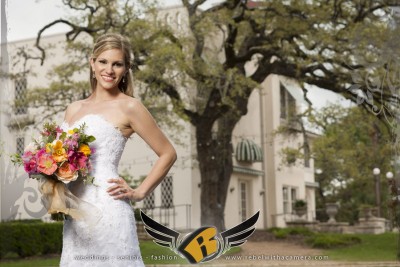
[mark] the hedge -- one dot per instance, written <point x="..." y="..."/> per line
<point x="30" y="238"/>
<point x="315" y="239"/>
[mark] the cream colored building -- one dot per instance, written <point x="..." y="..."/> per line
<point x="260" y="182"/>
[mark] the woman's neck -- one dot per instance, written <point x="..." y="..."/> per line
<point x="102" y="95"/>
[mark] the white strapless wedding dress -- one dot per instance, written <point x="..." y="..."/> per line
<point x="113" y="240"/>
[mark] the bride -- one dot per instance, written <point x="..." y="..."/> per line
<point x="112" y="115"/>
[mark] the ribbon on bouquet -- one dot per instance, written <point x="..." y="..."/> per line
<point x="57" y="198"/>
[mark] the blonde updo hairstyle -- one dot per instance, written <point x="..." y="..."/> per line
<point x="114" y="41"/>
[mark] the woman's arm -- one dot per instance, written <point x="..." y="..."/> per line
<point x="144" y="125"/>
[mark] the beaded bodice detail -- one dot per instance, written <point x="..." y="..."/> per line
<point x="109" y="145"/>
<point x="113" y="240"/>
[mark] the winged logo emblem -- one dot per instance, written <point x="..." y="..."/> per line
<point x="202" y="245"/>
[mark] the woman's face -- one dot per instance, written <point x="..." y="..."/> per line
<point x="109" y="68"/>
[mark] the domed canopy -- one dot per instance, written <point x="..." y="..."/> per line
<point x="248" y="151"/>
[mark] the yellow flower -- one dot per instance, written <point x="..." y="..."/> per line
<point x="71" y="132"/>
<point x="85" y="149"/>
<point x="59" y="153"/>
<point x="49" y="146"/>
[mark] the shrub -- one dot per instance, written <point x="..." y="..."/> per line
<point x="29" y="239"/>
<point x="282" y="233"/>
<point x="52" y="238"/>
<point x="328" y="241"/>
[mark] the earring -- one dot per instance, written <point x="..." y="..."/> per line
<point x="123" y="79"/>
<point x="94" y="75"/>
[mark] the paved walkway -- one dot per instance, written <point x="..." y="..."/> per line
<point x="268" y="253"/>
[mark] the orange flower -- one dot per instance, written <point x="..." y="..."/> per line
<point x="46" y="164"/>
<point x="85" y="149"/>
<point x="59" y="153"/>
<point x="65" y="174"/>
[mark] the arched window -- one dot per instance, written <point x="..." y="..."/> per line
<point x="20" y="95"/>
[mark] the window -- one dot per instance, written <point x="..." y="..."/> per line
<point x="289" y="196"/>
<point x="167" y="197"/>
<point x="244" y="201"/>
<point x="293" y="195"/>
<point x="20" y="96"/>
<point x="148" y="202"/>
<point x="20" y="145"/>
<point x="286" y="207"/>
<point x="288" y="103"/>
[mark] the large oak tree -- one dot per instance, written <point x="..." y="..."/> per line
<point x="332" y="44"/>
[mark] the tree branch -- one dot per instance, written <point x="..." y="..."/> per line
<point x="75" y="32"/>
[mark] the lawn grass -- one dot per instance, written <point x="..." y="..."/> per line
<point x="33" y="262"/>
<point x="155" y="254"/>
<point x="151" y="253"/>
<point x="382" y="247"/>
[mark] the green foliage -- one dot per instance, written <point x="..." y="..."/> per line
<point x="283" y="233"/>
<point x="30" y="238"/>
<point x="382" y="247"/>
<point x="199" y="72"/>
<point x="351" y="144"/>
<point x="290" y="156"/>
<point x="329" y="241"/>
<point x="316" y="240"/>
<point x="16" y="159"/>
<point x="299" y="203"/>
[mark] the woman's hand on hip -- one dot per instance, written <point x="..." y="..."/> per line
<point x="121" y="190"/>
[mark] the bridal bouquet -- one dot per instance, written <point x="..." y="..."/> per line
<point x="55" y="159"/>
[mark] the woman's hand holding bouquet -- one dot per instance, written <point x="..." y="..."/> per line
<point x="56" y="159"/>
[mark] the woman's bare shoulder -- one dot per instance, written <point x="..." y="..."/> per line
<point x="130" y="103"/>
<point x="73" y="108"/>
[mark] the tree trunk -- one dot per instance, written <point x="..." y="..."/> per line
<point x="215" y="162"/>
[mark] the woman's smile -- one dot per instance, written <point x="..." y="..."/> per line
<point x="108" y="78"/>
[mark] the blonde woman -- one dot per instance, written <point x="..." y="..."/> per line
<point x="112" y="115"/>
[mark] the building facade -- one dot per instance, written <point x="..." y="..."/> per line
<point x="261" y="181"/>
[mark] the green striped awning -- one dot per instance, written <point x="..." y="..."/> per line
<point x="244" y="170"/>
<point x="248" y="151"/>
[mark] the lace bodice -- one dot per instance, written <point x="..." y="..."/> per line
<point x="109" y="145"/>
<point x="113" y="240"/>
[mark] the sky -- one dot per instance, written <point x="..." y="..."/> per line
<point x="26" y="17"/>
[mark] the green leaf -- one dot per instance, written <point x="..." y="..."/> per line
<point x="88" y="180"/>
<point x="63" y="135"/>
<point x="90" y="138"/>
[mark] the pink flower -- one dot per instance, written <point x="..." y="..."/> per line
<point x="71" y="143"/>
<point x="29" y="160"/>
<point x="40" y="153"/>
<point x="59" y="132"/>
<point x="30" y="166"/>
<point x="46" y="164"/>
<point x="77" y="159"/>
<point x="45" y="133"/>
